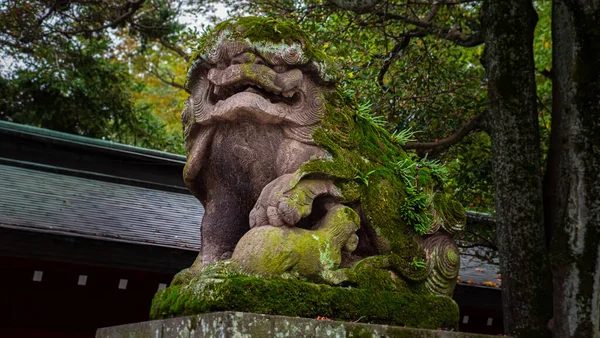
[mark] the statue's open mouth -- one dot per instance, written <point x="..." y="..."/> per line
<point x="221" y="93"/>
<point x="257" y="91"/>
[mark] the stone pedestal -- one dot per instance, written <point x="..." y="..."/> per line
<point x="241" y="325"/>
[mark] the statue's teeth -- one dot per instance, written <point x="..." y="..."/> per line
<point x="289" y="93"/>
<point x="217" y="91"/>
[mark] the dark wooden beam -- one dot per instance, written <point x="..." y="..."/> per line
<point x="78" y="250"/>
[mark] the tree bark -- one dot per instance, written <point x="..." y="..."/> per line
<point x="574" y="200"/>
<point x="513" y="127"/>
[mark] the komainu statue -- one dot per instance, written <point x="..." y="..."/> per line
<point x="312" y="208"/>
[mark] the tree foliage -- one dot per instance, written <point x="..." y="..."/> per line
<point x="416" y="62"/>
<point x="65" y="75"/>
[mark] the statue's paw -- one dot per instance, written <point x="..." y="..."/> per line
<point x="185" y="276"/>
<point x="264" y="211"/>
<point x="340" y="225"/>
<point x="289" y="214"/>
<point x="283" y="203"/>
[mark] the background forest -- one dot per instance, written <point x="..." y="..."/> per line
<point x="470" y="83"/>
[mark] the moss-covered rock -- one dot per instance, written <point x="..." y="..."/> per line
<point x="293" y="297"/>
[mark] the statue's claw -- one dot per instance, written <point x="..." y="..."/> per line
<point x="274" y="217"/>
<point x="289" y="214"/>
<point x="282" y="202"/>
<point x="184" y="277"/>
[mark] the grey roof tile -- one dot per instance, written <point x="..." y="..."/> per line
<point x="42" y="201"/>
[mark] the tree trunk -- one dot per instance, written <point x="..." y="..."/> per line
<point x="513" y="125"/>
<point x="575" y="223"/>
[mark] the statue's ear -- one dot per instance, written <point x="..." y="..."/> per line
<point x="187" y="117"/>
<point x="196" y="71"/>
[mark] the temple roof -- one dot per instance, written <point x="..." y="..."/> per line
<point x="52" y="136"/>
<point x="35" y="200"/>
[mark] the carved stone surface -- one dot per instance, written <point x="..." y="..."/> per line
<point x="296" y="179"/>
<point x="238" y="324"/>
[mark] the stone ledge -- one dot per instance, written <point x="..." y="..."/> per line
<point x="240" y="325"/>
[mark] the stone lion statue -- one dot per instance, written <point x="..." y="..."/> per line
<point x="295" y="178"/>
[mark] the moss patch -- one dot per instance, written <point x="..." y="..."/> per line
<point x="395" y="191"/>
<point x="297" y="298"/>
<point x="263" y="34"/>
<point x="258" y="29"/>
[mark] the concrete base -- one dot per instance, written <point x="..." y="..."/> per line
<point x="240" y="324"/>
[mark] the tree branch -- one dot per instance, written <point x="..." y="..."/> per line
<point x="413" y="21"/>
<point x="426" y="3"/>
<point x="423" y="148"/>
<point x="170" y="82"/>
<point x="456" y="36"/>
<point x="434" y="10"/>
<point x="423" y="23"/>
<point x="401" y="45"/>
<point x="22" y="48"/>
<point x="164" y="80"/>
<point x="134" y="5"/>
<point x="50" y="11"/>
<point x="163" y="41"/>
<point x="426" y="27"/>
<point x="451" y="34"/>
<point x="358" y="6"/>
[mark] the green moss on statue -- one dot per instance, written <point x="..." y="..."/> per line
<point x="265" y="35"/>
<point x="226" y="290"/>
<point x="364" y="163"/>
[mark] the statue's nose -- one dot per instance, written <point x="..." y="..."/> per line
<point x="247" y="58"/>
